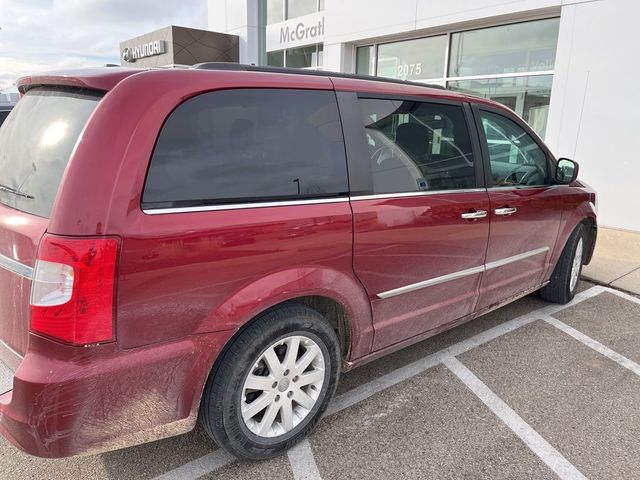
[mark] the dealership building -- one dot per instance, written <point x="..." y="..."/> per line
<point x="563" y="65"/>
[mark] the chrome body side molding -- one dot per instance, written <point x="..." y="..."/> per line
<point x="460" y="274"/>
<point x="16" y="267"/>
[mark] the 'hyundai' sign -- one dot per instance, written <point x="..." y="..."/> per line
<point x="149" y="49"/>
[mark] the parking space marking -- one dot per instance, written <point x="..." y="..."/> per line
<point x="511" y="325"/>
<point x="303" y="464"/>
<point x="219" y="458"/>
<point x="624" y="295"/>
<point x="200" y="466"/>
<point x="376" y="385"/>
<point x="538" y="445"/>
<point x="594" y="344"/>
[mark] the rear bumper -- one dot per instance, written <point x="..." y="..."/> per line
<point x="70" y="400"/>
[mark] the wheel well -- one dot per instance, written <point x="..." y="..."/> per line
<point x="333" y="311"/>
<point x="335" y="314"/>
<point x="590" y="233"/>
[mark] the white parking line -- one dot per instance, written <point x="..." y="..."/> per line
<point x="366" y="390"/>
<point x="624" y="295"/>
<point x="200" y="466"/>
<point x="303" y="465"/>
<point x="594" y="344"/>
<point x="211" y="462"/>
<point x="538" y="445"/>
<point x="514" y="324"/>
<point x="401" y="374"/>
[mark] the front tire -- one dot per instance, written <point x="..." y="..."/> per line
<point x="273" y="383"/>
<point x="564" y="280"/>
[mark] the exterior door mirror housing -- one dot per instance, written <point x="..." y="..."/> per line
<point x="566" y="171"/>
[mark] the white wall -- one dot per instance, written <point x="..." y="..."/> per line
<point x="354" y="20"/>
<point x="237" y="17"/>
<point x="594" y="107"/>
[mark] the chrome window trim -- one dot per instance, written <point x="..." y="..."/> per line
<point x="289" y="203"/>
<point x="238" y="206"/>
<point x="522" y="187"/>
<point x="16" y="267"/>
<point x="460" y="274"/>
<point x="378" y="196"/>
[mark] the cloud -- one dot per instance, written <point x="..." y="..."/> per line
<point x="39" y="35"/>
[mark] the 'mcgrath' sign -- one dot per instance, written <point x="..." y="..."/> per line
<point x="296" y="32"/>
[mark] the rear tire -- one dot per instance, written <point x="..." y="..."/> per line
<point x="564" y="280"/>
<point x="273" y="383"/>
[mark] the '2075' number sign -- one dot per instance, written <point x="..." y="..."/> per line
<point x="405" y="70"/>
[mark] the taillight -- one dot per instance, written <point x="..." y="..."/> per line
<point x="73" y="288"/>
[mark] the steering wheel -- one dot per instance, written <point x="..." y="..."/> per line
<point x="512" y="178"/>
<point x="377" y="155"/>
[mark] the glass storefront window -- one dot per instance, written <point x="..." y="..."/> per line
<point x="275" y="11"/>
<point x="527" y="96"/>
<point x="275" y="59"/>
<point x="298" y="8"/>
<point x="419" y="59"/>
<point x="364" y="60"/>
<point x="515" y="48"/>
<point x="302" y="57"/>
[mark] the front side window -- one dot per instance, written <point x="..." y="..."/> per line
<point x="248" y="145"/>
<point x="417" y="146"/>
<point x="516" y="159"/>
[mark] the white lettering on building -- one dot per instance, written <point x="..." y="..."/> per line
<point x="149" y="49"/>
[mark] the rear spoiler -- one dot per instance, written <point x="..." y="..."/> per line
<point x="103" y="79"/>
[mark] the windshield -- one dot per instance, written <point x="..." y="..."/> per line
<point x="36" y="142"/>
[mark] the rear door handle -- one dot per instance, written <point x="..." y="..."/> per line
<point x="476" y="214"/>
<point x="505" y="211"/>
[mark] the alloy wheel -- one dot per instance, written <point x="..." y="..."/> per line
<point x="575" y="267"/>
<point x="282" y="386"/>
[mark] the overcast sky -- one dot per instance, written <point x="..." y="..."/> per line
<point x="39" y="35"/>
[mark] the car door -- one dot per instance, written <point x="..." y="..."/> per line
<point x="420" y="218"/>
<point x="525" y="206"/>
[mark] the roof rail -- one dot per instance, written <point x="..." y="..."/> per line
<point x="298" y="71"/>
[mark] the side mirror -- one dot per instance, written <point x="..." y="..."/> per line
<point x="566" y="171"/>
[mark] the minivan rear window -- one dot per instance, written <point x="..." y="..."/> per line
<point x="248" y="145"/>
<point x="36" y="142"/>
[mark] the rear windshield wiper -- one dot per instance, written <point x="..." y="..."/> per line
<point x="4" y="188"/>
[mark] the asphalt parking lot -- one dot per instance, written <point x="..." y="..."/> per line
<point x="532" y="390"/>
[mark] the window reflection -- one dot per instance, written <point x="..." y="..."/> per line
<point x="527" y="96"/>
<point x="419" y="59"/>
<point x="515" y="48"/>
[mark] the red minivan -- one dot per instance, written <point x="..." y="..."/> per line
<point x="220" y="242"/>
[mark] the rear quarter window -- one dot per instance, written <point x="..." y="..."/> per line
<point x="36" y="142"/>
<point x="248" y="145"/>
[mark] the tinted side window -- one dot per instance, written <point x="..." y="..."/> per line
<point x="3" y="115"/>
<point x="417" y="146"/>
<point x="248" y="145"/>
<point x="516" y="159"/>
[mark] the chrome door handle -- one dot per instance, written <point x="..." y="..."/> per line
<point x="505" y="211"/>
<point x="476" y="214"/>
